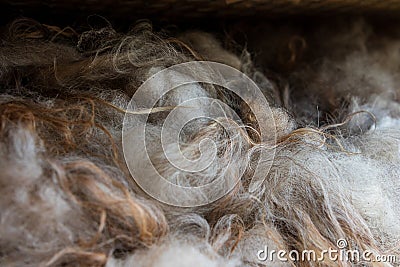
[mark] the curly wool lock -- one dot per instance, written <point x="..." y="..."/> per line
<point x="66" y="195"/>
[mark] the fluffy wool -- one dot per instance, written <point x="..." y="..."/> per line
<point x="67" y="197"/>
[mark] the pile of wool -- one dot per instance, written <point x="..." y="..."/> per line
<point x="67" y="196"/>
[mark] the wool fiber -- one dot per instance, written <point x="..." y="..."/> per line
<point x="67" y="197"/>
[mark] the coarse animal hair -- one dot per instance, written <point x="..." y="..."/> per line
<point x="68" y="198"/>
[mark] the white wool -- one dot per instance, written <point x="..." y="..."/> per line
<point x="375" y="173"/>
<point x="174" y="253"/>
<point x="259" y="238"/>
<point x="25" y="149"/>
<point x="23" y="225"/>
<point x="367" y="172"/>
<point x="374" y="193"/>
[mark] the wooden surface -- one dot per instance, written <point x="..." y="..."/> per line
<point x="215" y="8"/>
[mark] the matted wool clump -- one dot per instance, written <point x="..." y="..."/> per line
<point x="67" y="195"/>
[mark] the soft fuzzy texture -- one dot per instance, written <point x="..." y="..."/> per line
<point x="67" y="197"/>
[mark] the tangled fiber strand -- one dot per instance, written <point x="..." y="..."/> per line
<point x="67" y="197"/>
